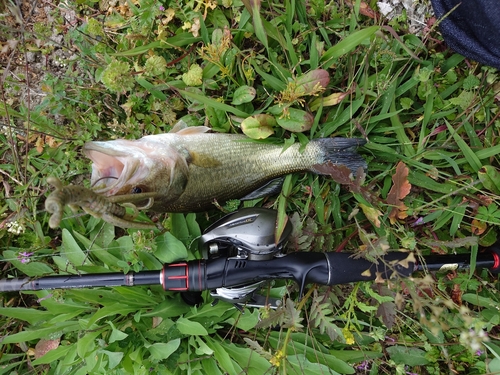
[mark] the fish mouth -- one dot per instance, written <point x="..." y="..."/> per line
<point x="116" y="165"/>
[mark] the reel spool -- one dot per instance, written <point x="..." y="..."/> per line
<point x="246" y="234"/>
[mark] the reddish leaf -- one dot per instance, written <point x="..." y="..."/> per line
<point x="386" y="310"/>
<point x="310" y="82"/>
<point x="456" y="294"/>
<point x="339" y="173"/>
<point x="342" y="175"/>
<point x="400" y="189"/>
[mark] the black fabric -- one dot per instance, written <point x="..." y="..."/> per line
<point x="472" y="29"/>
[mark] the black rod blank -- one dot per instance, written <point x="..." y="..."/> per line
<point x="321" y="268"/>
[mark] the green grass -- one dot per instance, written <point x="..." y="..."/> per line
<point x="136" y="69"/>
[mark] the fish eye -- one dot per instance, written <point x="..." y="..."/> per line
<point x="136" y="190"/>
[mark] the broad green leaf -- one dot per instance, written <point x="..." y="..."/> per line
<point x="72" y="251"/>
<point x="222" y="357"/>
<point x="63" y="307"/>
<point x="490" y="178"/>
<point x="272" y="81"/>
<point x="434" y="337"/>
<point x="301" y="365"/>
<point x="168" y="309"/>
<point x="243" y="94"/>
<point x="31" y="316"/>
<point x="296" y="120"/>
<point x="160" y="351"/>
<point x="495" y="349"/>
<point x="86" y="343"/>
<point x="478" y="300"/>
<point x="494" y="366"/>
<point x="218" y="119"/>
<point x="192" y="225"/>
<point x="258" y="126"/>
<point x="407" y="355"/>
<point x="103" y="255"/>
<point x="136" y="296"/>
<point x="29" y="268"/>
<point x="180" y="228"/>
<point x="111" y="310"/>
<point x="245" y="321"/>
<point x="59" y="328"/>
<point x="201" y="347"/>
<point x="189" y="327"/>
<point x="488" y="152"/>
<point x="53" y="355"/>
<point x="210" y="367"/>
<point x="116" y="334"/>
<point x="113" y="357"/>
<point x="246" y="356"/>
<point x="421" y="179"/>
<point x="334" y="359"/>
<point x="170" y="249"/>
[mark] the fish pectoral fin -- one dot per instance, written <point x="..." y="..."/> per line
<point x="181" y="128"/>
<point x="273" y="187"/>
<point x="203" y="160"/>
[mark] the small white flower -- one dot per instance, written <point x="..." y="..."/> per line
<point x="385" y="8"/>
<point x="15" y="227"/>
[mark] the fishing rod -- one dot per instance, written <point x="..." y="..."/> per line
<point x="240" y="254"/>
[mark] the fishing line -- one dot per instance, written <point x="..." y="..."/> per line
<point x="103" y="178"/>
<point x="86" y="250"/>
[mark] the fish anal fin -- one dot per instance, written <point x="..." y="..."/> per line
<point x="273" y="187"/>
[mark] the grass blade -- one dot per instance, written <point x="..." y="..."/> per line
<point x="469" y="155"/>
<point x="346" y="45"/>
<point x="214" y="103"/>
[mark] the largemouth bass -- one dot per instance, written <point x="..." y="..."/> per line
<point x="190" y="169"/>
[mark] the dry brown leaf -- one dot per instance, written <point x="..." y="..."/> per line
<point x="478" y="227"/>
<point x="400" y="189"/>
<point x="44" y="346"/>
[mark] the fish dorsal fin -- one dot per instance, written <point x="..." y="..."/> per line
<point x="181" y="128"/>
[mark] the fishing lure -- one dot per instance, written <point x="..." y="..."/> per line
<point x="94" y="204"/>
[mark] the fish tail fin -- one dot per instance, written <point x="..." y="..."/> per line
<point x="340" y="151"/>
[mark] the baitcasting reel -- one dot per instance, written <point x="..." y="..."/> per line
<point x="246" y="234"/>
